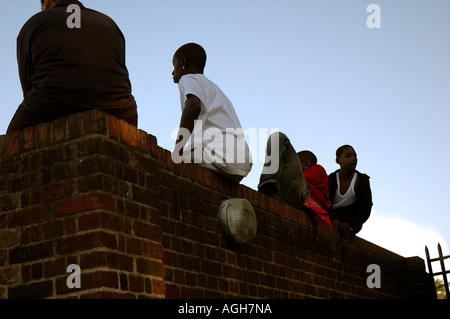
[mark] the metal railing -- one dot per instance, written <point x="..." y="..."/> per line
<point x="443" y="272"/>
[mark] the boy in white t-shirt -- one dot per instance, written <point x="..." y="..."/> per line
<point x="210" y="133"/>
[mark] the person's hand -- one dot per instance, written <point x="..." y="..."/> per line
<point x="344" y="229"/>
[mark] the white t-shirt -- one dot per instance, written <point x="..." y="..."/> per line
<point x="218" y="137"/>
<point x="348" y="198"/>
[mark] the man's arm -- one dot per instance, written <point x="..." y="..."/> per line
<point x="24" y="62"/>
<point x="191" y="111"/>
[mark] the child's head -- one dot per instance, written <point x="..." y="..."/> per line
<point x="188" y="59"/>
<point x="307" y="159"/>
<point x="48" y="4"/>
<point x="346" y="157"/>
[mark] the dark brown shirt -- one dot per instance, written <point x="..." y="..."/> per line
<point x="69" y="70"/>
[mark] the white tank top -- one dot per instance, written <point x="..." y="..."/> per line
<point x="348" y="198"/>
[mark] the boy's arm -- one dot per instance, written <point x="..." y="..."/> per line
<point x="191" y="111"/>
<point x="364" y="204"/>
<point x="25" y="64"/>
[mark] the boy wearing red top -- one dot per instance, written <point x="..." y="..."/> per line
<point x="317" y="179"/>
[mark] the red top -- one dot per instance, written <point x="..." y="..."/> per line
<point x="317" y="180"/>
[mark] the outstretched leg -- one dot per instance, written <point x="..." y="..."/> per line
<point x="282" y="175"/>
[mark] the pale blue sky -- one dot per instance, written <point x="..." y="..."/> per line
<point x="312" y="69"/>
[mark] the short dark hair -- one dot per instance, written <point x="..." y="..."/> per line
<point x="55" y="1"/>
<point x="307" y="155"/>
<point x="194" y="53"/>
<point x="341" y="150"/>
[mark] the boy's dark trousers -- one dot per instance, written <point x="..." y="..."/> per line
<point x="286" y="182"/>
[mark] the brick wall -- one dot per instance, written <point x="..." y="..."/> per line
<point x="94" y="191"/>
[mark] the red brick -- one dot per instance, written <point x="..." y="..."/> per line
<point x="43" y="134"/>
<point x="89" y="221"/>
<point x="31" y="234"/>
<point x="28" y="138"/>
<point x="133" y="136"/>
<point x="172" y="291"/>
<point x="55" y="267"/>
<point x="231" y="272"/>
<point x="110" y="260"/>
<point x="2" y="145"/>
<point x="124" y="132"/>
<point x="53" y="229"/>
<point x="121" y="243"/>
<point x="203" y="176"/>
<point x="107" y="295"/>
<point x="304" y="219"/>
<point x="147" y="231"/>
<point x="113" y="127"/>
<point x="150" y="267"/>
<point x="189" y="262"/>
<point x="153" y="146"/>
<point x="9" y="202"/>
<point x="59" y="130"/>
<point x="36" y="271"/>
<point x="176" y="168"/>
<point x="101" y="279"/>
<point x="75" y="126"/>
<point x="168" y="163"/>
<point x="86" y="241"/>
<point x="143" y="142"/>
<point x="84" y="203"/>
<point x="35" y="162"/>
<point x="160" y="159"/>
<point x="103" y="220"/>
<point x="56" y="191"/>
<point x="37" y="290"/>
<point x="191" y="293"/>
<point x="34" y="252"/>
<point x="70" y="226"/>
<point x="91" y="280"/>
<point x="136" y="283"/>
<point x="9" y="237"/>
<point x="31" y="215"/>
<point x="13" y="143"/>
<point x="134" y="246"/>
<point x="95" y="121"/>
<point x="158" y="287"/>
